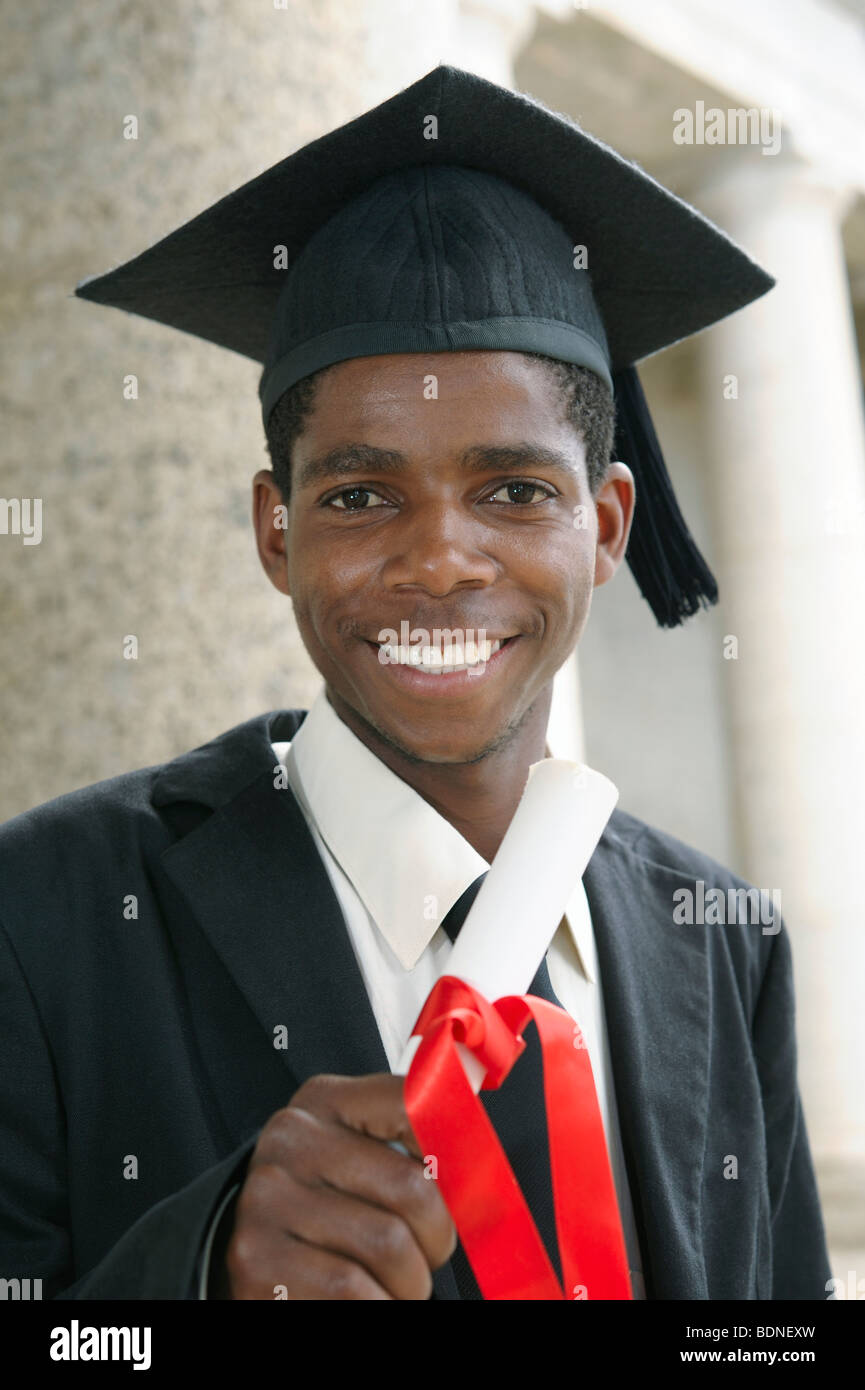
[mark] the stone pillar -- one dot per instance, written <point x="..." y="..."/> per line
<point x="146" y="527"/>
<point x="488" y="34"/>
<point x="565" y="730"/>
<point x="788" y="479"/>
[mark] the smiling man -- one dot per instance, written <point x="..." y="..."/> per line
<point x="459" y="517"/>
<point x="448" y="296"/>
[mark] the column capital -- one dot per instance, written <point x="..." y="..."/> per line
<point x="490" y="33"/>
<point x="768" y="184"/>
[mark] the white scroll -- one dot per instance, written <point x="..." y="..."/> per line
<point x="547" y="846"/>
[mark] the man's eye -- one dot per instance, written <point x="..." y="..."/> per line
<point x="520" y="490"/>
<point x="352" y="499"/>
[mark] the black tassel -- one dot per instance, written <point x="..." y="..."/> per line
<point x="672" y="575"/>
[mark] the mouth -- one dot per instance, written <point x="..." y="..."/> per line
<point x="452" y="670"/>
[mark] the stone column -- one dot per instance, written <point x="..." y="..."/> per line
<point x="488" y="34"/>
<point x="788" y="480"/>
<point x="145" y="522"/>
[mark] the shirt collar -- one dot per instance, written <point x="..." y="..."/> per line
<point x="363" y="811"/>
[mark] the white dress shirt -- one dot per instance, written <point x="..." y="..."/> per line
<point x="397" y="867"/>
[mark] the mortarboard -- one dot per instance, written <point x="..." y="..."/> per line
<point x="449" y="218"/>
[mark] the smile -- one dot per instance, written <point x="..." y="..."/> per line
<point x="455" y="656"/>
<point x="454" y="669"/>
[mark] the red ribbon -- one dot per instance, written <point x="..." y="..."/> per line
<point x="496" y="1228"/>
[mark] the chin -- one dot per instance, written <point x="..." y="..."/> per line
<point x="448" y="744"/>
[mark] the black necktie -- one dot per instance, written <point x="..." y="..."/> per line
<point x="517" y="1111"/>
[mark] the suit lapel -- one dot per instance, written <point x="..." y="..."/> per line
<point x="656" y="996"/>
<point x="253" y="878"/>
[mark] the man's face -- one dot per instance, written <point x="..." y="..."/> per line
<point x="459" y="505"/>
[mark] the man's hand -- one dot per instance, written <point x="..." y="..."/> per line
<point x="328" y="1210"/>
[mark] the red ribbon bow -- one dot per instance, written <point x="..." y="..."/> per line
<point x="476" y="1180"/>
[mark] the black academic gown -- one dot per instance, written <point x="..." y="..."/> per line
<point x="161" y="931"/>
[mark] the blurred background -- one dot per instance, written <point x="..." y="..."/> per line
<point x="742" y="733"/>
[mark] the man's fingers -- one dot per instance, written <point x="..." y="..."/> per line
<point x="372" y="1236"/>
<point x="364" y="1168"/>
<point x="287" y="1268"/>
<point x="372" y="1105"/>
<point x="402" y="1185"/>
<point x="329" y="1209"/>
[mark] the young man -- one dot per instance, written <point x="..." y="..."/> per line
<point x="449" y="295"/>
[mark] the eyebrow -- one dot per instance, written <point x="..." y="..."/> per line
<point x="353" y="460"/>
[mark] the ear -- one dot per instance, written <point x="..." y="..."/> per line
<point x="270" y="519"/>
<point x="614" y="504"/>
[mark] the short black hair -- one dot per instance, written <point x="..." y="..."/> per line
<point x="587" y="400"/>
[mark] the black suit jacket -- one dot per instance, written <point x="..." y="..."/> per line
<point x="161" y="928"/>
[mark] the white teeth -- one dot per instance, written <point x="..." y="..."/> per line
<point x="435" y="661"/>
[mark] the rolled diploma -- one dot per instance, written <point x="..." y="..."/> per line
<point x="546" y="848"/>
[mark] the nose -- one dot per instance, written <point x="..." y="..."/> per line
<point x="438" y="548"/>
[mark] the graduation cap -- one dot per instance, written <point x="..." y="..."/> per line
<point x="459" y="215"/>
